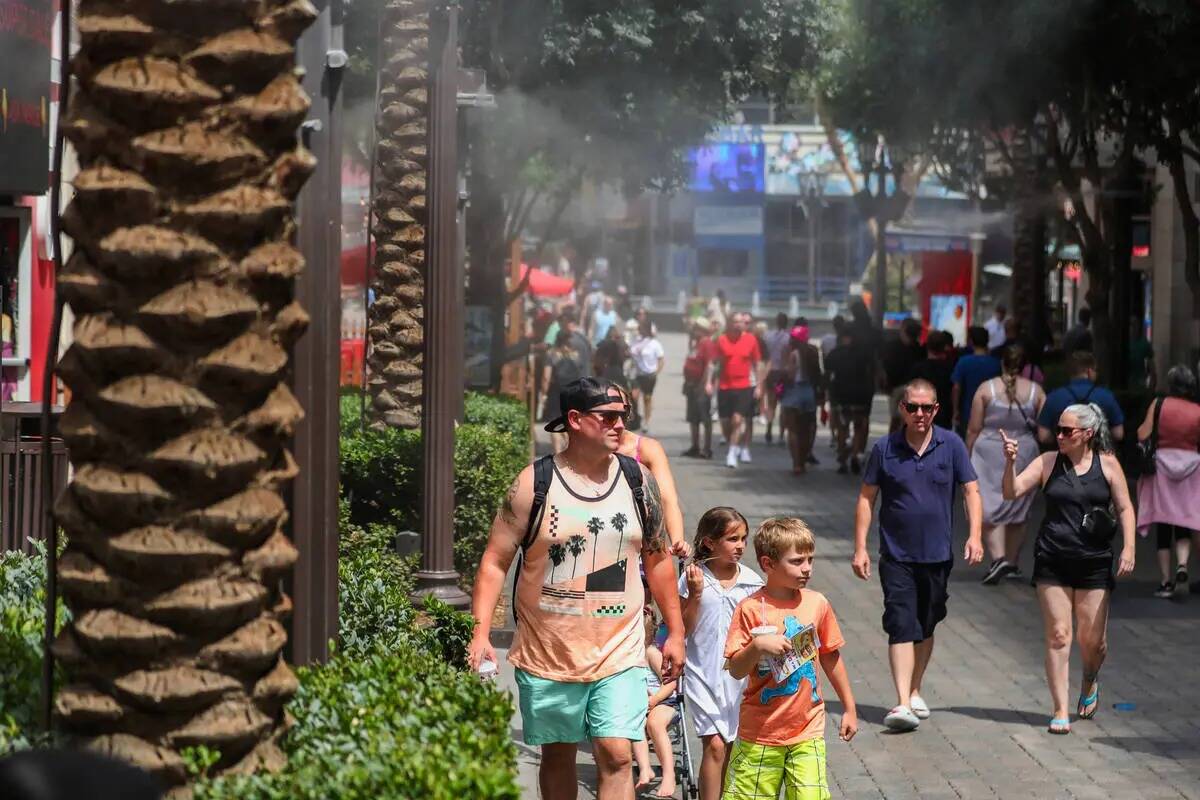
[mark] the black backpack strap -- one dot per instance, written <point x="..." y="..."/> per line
<point x="633" y="476"/>
<point x="543" y="472"/>
<point x="1154" y="426"/>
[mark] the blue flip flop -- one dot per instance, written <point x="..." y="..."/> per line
<point x="1060" y="727"/>
<point x="1092" y="701"/>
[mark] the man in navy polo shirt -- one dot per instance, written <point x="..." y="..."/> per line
<point x="914" y="471"/>
<point x="1082" y="388"/>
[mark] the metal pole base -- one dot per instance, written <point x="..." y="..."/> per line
<point x="442" y="584"/>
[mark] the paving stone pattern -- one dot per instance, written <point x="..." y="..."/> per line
<point x="987" y="737"/>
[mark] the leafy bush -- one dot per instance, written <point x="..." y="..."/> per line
<point x="400" y="724"/>
<point x="506" y="414"/>
<point x="22" y="621"/>
<point x="380" y="471"/>
<point x="393" y="714"/>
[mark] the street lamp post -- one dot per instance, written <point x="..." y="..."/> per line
<point x="443" y="366"/>
<point x="876" y="158"/>
<point x="815" y="181"/>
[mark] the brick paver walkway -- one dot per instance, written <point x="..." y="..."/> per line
<point x="987" y="736"/>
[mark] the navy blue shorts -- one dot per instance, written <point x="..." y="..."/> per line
<point x="914" y="598"/>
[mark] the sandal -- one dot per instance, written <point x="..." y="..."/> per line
<point x="1059" y="727"/>
<point x="1092" y="701"/>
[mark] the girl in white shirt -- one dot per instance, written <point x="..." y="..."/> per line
<point x="711" y="588"/>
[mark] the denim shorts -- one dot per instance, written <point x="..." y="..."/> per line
<point x="556" y="711"/>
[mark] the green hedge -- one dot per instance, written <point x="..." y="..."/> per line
<point x="22" y="621"/>
<point x="380" y="471"/>
<point x="394" y="714"/>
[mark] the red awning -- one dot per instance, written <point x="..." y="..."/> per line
<point x="546" y="284"/>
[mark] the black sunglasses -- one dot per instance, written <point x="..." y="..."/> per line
<point x="913" y="408"/>
<point x="609" y="418"/>
<point x="1067" y="430"/>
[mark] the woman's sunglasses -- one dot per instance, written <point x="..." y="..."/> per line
<point x="1067" y="431"/>
<point x="913" y="408"/>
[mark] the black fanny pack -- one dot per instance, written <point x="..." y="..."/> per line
<point x="1100" y="524"/>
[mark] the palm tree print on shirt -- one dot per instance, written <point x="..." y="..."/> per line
<point x="575" y="546"/>
<point x="594" y="526"/>
<point x="619" y="521"/>
<point x="558" y="554"/>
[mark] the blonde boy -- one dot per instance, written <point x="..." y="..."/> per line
<point x="781" y="730"/>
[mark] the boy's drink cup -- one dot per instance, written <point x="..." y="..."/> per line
<point x="764" y="663"/>
<point x="488" y="670"/>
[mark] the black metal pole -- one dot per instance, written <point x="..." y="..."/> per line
<point x="443" y="371"/>
<point x="51" y="611"/>
<point x="879" y="296"/>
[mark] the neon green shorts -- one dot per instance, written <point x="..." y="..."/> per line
<point x="757" y="771"/>
<point x="556" y="711"/>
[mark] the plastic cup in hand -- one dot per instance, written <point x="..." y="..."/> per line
<point x="488" y="671"/>
<point x="764" y="663"/>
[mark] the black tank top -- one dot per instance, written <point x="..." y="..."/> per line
<point x="1068" y="498"/>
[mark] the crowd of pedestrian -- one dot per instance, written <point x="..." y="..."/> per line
<point x="747" y="652"/>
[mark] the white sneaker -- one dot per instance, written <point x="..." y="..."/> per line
<point x="745" y="455"/>
<point x="731" y="458"/>
<point x="919" y="707"/>
<point x="901" y="718"/>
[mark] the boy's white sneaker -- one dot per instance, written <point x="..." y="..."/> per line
<point x="919" y="707"/>
<point x="731" y="458"/>
<point x="901" y="718"/>
<point x="745" y="455"/>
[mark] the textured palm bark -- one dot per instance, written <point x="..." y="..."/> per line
<point x="185" y="122"/>
<point x="397" y="315"/>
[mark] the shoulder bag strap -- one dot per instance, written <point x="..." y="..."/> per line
<point x="1154" y="426"/>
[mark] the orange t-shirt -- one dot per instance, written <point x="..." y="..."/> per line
<point x="789" y="712"/>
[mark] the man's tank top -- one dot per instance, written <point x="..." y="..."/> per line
<point x="579" y="595"/>
<point x="1068" y="498"/>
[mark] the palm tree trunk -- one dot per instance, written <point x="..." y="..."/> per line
<point x="1028" y="300"/>
<point x="395" y="318"/>
<point x="182" y="286"/>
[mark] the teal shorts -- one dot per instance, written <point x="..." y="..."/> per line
<point x="555" y="711"/>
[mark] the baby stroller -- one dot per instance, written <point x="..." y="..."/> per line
<point x="685" y="775"/>
<point x="681" y="748"/>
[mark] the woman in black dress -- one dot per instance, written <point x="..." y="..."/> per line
<point x="1087" y="504"/>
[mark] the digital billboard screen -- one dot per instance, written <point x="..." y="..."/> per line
<point x="726" y="168"/>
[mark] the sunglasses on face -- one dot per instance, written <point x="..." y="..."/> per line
<point x="1066" y="431"/>
<point x="913" y="408"/>
<point x="609" y="418"/>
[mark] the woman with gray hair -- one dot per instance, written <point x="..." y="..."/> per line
<point x="1169" y="497"/>
<point x="1087" y="503"/>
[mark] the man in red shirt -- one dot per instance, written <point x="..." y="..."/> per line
<point x="697" y="386"/>
<point x="737" y="354"/>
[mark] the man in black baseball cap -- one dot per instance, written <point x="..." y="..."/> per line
<point x="578" y="653"/>
<point x="590" y="395"/>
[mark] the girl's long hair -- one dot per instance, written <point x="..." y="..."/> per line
<point x="712" y="526"/>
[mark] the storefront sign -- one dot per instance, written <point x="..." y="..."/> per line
<point x="25" y="29"/>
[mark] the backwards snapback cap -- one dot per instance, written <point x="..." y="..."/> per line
<point x="582" y="395"/>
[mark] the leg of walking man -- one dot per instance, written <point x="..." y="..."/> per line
<point x="614" y="765"/>
<point x="1056" y="602"/>
<point x="922" y="652"/>
<point x="556" y="777"/>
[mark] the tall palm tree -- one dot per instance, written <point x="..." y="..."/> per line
<point x="558" y="554"/>
<point x="576" y="545"/>
<point x="182" y="286"/>
<point x="595" y="525"/>
<point x="619" y="521"/>
<point x="401" y="128"/>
